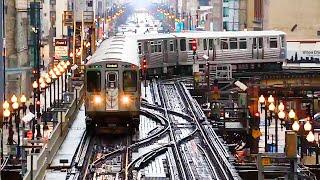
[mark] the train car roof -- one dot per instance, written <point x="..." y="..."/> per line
<point x="204" y="34"/>
<point x="222" y="34"/>
<point x="118" y="48"/>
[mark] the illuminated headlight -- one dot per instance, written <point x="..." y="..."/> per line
<point x="97" y="99"/>
<point x="125" y="99"/>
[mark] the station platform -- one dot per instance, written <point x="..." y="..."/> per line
<point x="69" y="146"/>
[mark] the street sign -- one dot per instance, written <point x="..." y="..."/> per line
<point x="68" y="18"/>
<point x="61" y="49"/>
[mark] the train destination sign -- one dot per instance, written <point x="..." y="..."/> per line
<point x="112" y="65"/>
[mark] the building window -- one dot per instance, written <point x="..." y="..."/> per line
<point x="225" y="25"/>
<point x="225" y="0"/>
<point x="233" y="43"/>
<point x="318" y="33"/>
<point x="225" y="12"/>
<point x="242" y="43"/>
<point x="273" y="42"/>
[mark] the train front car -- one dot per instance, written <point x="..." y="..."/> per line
<point x="113" y="87"/>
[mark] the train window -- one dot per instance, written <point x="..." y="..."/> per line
<point x="190" y="45"/>
<point x="171" y="46"/>
<point x="145" y="47"/>
<point x="233" y="43"/>
<point x="165" y="45"/>
<point x="93" y="81"/>
<point x="283" y="41"/>
<point x="182" y="45"/>
<point x="158" y="49"/>
<point x="242" y="43"/>
<point x="140" y="48"/>
<point x="254" y="43"/>
<point x="273" y="42"/>
<point x="130" y="81"/>
<point x="224" y="44"/>
<point x="260" y="42"/>
<point x="210" y="44"/>
<point x="111" y="77"/>
<point x="205" y="46"/>
<point x="152" y="47"/>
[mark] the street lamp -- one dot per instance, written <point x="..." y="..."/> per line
<point x="23" y="100"/>
<point x="57" y="72"/>
<point x="48" y="81"/>
<point x="306" y="128"/>
<point x="15" y="107"/>
<point x="262" y="101"/>
<point x="6" y="105"/>
<point x="54" y="77"/>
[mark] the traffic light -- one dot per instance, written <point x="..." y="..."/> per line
<point x="144" y="64"/>
<point x="194" y="46"/>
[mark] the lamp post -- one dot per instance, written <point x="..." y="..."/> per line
<point x="35" y="87"/>
<point x="6" y="114"/>
<point x="23" y="100"/>
<point x="307" y="127"/>
<point x="57" y="72"/>
<point x="15" y="107"/>
<point x="54" y="77"/>
<point x="48" y="82"/>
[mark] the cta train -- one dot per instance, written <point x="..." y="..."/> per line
<point x="112" y="101"/>
<point x="244" y="50"/>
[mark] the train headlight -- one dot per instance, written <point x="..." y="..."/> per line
<point x="125" y="100"/>
<point x="97" y="99"/>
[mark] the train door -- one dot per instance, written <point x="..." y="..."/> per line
<point x="257" y="48"/>
<point x="112" y="90"/>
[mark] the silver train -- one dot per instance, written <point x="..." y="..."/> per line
<point x="112" y="101"/>
<point x="244" y="50"/>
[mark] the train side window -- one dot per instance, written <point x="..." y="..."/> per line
<point x="182" y="45"/>
<point x="283" y="41"/>
<point x="224" y="44"/>
<point x="93" y="81"/>
<point x="159" y="46"/>
<point x="260" y="42"/>
<point x="145" y="46"/>
<point x="205" y="46"/>
<point x="254" y="43"/>
<point x="152" y="47"/>
<point x="242" y="43"/>
<point x="273" y="42"/>
<point x="233" y="43"/>
<point x="130" y="82"/>
<point x="190" y="44"/>
<point x="140" y="48"/>
<point x="210" y="44"/>
<point x="171" y="46"/>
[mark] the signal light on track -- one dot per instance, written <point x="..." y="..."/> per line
<point x="144" y="64"/>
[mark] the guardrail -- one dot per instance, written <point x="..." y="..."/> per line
<point x="56" y="138"/>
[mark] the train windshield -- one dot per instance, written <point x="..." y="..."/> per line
<point x="130" y="81"/>
<point x="93" y="81"/>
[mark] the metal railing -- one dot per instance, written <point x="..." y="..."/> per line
<point x="56" y="138"/>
